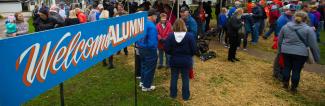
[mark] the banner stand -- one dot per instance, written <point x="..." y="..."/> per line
<point x="61" y="94"/>
<point x="135" y="90"/>
<point x="135" y="85"/>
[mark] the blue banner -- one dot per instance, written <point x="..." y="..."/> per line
<point x="32" y="64"/>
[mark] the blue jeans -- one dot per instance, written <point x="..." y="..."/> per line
<point x="148" y="58"/>
<point x="318" y="33"/>
<point x="262" y="26"/>
<point x="294" y="64"/>
<point x="256" y="31"/>
<point x="271" y="30"/>
<point x="322" y="25"/>
<point x="201" y="27"/>
<point x="161" y="54"/>
<point x="185" y="81"/>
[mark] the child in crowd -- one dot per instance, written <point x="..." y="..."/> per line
<point x="222" y="21"/>
<point x="11" y="28"/>
<point x="164" y="28"/>
<point x="22" y="26"/>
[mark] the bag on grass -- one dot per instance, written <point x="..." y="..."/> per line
<point x="191" y="74"/>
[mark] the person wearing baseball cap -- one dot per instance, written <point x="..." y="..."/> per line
<point x="189" y="21"/>
<point x="147" y="47"/>
<point x="285" y="17"/>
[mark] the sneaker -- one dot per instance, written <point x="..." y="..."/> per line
<point x="226" y="46"/>
<point x="245" y="49"/>
<point x="138" y="78"/>
<point x="148" y="89"/>
<point x="141" y="85"/>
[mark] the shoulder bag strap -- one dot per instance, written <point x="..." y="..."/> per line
<point x="300" y="37"/>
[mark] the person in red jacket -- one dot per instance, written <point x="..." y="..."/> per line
<point x="164" y="27"/>
<point x="274" y="14"/>
<point x="81" y="16"/>
<point x="249" y="6"/>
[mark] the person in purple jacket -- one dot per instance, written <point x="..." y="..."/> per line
<point x="313" y="10"/>
<point x="181" y="46"/>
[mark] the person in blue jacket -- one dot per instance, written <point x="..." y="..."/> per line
<point x="189" y="21"/>
<point x="222" y="22"/>
<point x="233" y="9"/>
<point x="181" y="46"/>
<point x="284" y="19"/>
<point x="313" y="21"/>
<point x="148" y="52"/>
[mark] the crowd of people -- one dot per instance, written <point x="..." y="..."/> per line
<point x="296" y="25"/>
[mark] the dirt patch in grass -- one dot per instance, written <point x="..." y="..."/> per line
<point x="248" y="82"/>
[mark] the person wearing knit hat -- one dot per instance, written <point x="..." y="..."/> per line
<point x="45" y="22"/>
<point x="54" y="13"/>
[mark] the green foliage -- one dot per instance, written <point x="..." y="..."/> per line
<point x="31" y="28"/>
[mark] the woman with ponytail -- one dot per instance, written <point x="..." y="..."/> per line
<point x="294" y="38"/>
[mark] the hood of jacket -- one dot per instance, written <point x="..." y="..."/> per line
<point x="295" y="26"/>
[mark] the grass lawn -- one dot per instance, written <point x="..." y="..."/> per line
<point x="100" y="86"/>
<point x="31" y="28"/>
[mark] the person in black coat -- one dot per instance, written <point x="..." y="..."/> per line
<point x="217" y="9"/>
<point x="44" y="22"/>
<point x="234" y="24"/>
<point x="208" y="10"/>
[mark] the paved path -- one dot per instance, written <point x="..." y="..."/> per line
<point x="317" y="68"/>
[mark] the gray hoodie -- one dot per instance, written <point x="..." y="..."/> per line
<point x="291" y="44"/>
